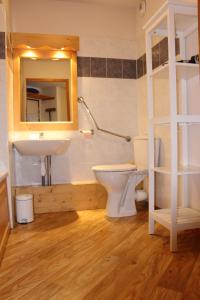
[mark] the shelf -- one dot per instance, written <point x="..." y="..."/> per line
<point x="33" y="96"/>
<point x="185" y="18"/>
<point x="188" y="119"/>
<point x="180" y="119"/>
<point x="174" y="19"/>
<point x="190" y="170"/>
<point x="183" y="71"/>
<point x="182" y="23"/>
<point x="187" y="218"/>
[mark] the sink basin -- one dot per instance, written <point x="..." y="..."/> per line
<point x="42" y="147"/>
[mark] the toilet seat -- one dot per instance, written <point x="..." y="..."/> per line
<point x="115" y="168"/>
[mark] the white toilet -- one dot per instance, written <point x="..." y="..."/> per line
<point x="120" y="180"/>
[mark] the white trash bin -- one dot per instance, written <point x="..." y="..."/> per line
<point x="24" y="208"/>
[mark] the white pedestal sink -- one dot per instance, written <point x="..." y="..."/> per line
<point x="44" y="148"/>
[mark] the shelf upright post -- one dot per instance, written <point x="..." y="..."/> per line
<point x="173" y="127"/>
<point x="184" y="107"/>
<point x="151" y="131"/>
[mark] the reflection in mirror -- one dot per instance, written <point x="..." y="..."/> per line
<point x="47" y="100"/>
<point x="45" y="94"/>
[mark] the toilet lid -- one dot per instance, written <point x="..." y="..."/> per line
<point x="114" y="168"/>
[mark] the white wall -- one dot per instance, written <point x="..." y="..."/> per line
<point x="104" y="32"/>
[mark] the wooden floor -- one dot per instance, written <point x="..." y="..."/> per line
<point x="83" y="255"/>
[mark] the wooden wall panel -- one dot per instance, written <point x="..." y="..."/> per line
<point x="4" y="217"/>
<point x="66" y="197"/>
<point x="44" y="41"/>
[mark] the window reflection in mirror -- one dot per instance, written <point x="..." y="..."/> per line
<point x="45" y="94"/>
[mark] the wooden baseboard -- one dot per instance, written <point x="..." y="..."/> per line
<point x="4" y="241"/>
<point x="66" y="197"/>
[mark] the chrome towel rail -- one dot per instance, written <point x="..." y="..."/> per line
<point x="82" y="101"/>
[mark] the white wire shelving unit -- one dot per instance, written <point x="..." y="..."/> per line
<point x="175" y="19"/>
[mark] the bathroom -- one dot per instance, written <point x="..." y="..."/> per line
<point x="72" y="236"/>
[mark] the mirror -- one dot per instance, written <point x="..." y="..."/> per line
<point x="46" y="100"/>
<point x="45" y="95"/>
<point x="45" y="84"/>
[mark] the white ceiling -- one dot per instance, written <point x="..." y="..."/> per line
<point x="122" y="3"/>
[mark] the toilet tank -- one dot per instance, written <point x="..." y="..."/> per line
<point x="140" y="144"/>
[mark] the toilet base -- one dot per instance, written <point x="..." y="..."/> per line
<point x="120" y="186"/>
<point x="116" y="209"/>
<point x="122" y="214"/>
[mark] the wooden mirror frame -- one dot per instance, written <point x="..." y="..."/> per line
<point x="44" y="53"/>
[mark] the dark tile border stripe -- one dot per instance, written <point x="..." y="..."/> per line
<point x="106" y="67"/>
<point x="114" y="68"/>
<point x="129" y="69"/>
<point x="84" y="66"/>
<point x="159" y="56"/>
<point x="2" y="45"/>
<point x="98" y="67"/>
<point x="123" y="68"/>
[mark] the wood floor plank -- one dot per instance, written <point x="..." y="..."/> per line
<point x="40" y="242"/>
<point x="99" y="264"/>
<point x="192" y="289"/>
<point x="178" y="272"/>
<point x="130" y="263"/>
<point x="85" y="256"/>
<point x="54" y="252"/>
<point x="41" y="292"/>
<point x="78" y="249"/>
<point x="139" y="270"/>
<point x="165" y="294"/>
<point x="182" y="264"/>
